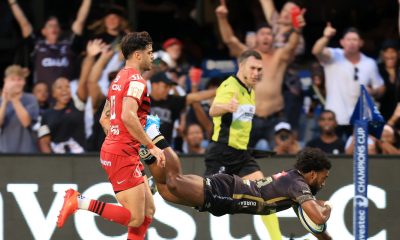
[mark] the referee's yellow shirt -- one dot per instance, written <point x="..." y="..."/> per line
<point x="234" y="129"/>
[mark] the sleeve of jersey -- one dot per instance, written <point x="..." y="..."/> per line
<point x="301" y="192"/>
<point x="224" y="94"/>
<point x="136" y="89"/>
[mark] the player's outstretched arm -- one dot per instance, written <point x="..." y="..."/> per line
<point x="318" y="211"/>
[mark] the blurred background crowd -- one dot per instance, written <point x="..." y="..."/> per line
<point x="57" y="59"/>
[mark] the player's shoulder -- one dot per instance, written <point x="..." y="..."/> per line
<point x="229" y="84"/>
<point x="132" y="74"/>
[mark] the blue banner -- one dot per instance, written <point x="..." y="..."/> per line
<point x="366" y="119"/>
<point x="366" y="110"/>
<point x="360" y="202"/>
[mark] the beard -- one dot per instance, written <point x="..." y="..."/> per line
<point x="314" y="190"/>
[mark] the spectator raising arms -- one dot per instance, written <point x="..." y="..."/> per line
<point x="345" y="70"/>
<point x="51" y="57"/>
<point x="268" y="91"/>
<point x="18" y="112"/>
<point x="281" y="23"/>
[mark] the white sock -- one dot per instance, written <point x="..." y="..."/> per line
<point x="83" y="202"/>
<point x="152" y="131"/>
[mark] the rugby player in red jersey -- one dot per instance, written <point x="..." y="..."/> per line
<point x="123" y="120"/>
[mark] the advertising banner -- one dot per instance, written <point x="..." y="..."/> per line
<point x="32" y="190"/>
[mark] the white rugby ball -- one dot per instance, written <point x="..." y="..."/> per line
<point x="308" y="223"/>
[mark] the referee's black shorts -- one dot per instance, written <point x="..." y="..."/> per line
<point x="221" y="158"/>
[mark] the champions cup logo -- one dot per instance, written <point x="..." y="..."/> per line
<point x="361" y="201"/>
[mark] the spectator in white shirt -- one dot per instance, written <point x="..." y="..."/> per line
<point x="346" y="69"/>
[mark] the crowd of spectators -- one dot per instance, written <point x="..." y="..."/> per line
<point x="54" y="92"/>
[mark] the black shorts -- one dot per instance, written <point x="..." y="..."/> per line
<point x="229" y="194"/>
<point x="220" y="158"/>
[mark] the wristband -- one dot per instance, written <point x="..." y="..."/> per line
<point x="160" y="142"/>
<point x="150" y="145"/>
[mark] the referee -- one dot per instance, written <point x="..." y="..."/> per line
<point x="232" y="111"/>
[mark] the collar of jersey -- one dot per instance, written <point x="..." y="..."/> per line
<point x="241" y="83"/>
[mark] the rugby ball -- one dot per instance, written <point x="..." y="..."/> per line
<point x="308" y="223"/>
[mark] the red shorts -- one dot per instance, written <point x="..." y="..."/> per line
<point x="123" y="172"/>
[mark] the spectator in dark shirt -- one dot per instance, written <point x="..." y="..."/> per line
<point x="328" y="141"/>
<point x="169" y="107"/>
<point x="41" y="92"/>
<point x="389" y="70"/>
<point x="51" y="57"/>
<point x="62" y="128"/>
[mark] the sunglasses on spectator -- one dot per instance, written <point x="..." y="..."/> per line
<point x="355" y="73"/>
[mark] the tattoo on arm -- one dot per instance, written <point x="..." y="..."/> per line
<point x="105" y="117"/>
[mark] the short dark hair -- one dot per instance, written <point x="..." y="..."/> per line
<point x="352" y="30"/>
<point x="135" y="41"/>
<point x="327" y="111"/>
<point x="312" y="159"/>
<point x="49" y="18"/>
<point x="263" y="25"/>
<point x="249" y="53"/>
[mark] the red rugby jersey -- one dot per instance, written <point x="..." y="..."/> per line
<point x="128" y="83"/>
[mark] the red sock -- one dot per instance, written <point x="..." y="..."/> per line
<point x="111" y="212"/>
<point x="138" y="233"/>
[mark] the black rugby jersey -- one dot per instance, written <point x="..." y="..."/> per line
<point x="229" y="194"/>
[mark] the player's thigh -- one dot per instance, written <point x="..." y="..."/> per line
<point x="190" y="188"/>
<point x="134" y="199"/>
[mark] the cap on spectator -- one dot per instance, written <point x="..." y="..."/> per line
<point x="390" y="43"/>
<point x="161" y="77"/>
<point x="282" y="126"/>
<point x="171" y="41"/>
<point x="16" y="70"/>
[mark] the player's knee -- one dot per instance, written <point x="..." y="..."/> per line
<point x="151" y="210"/>
<point x="136" y="220"/>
